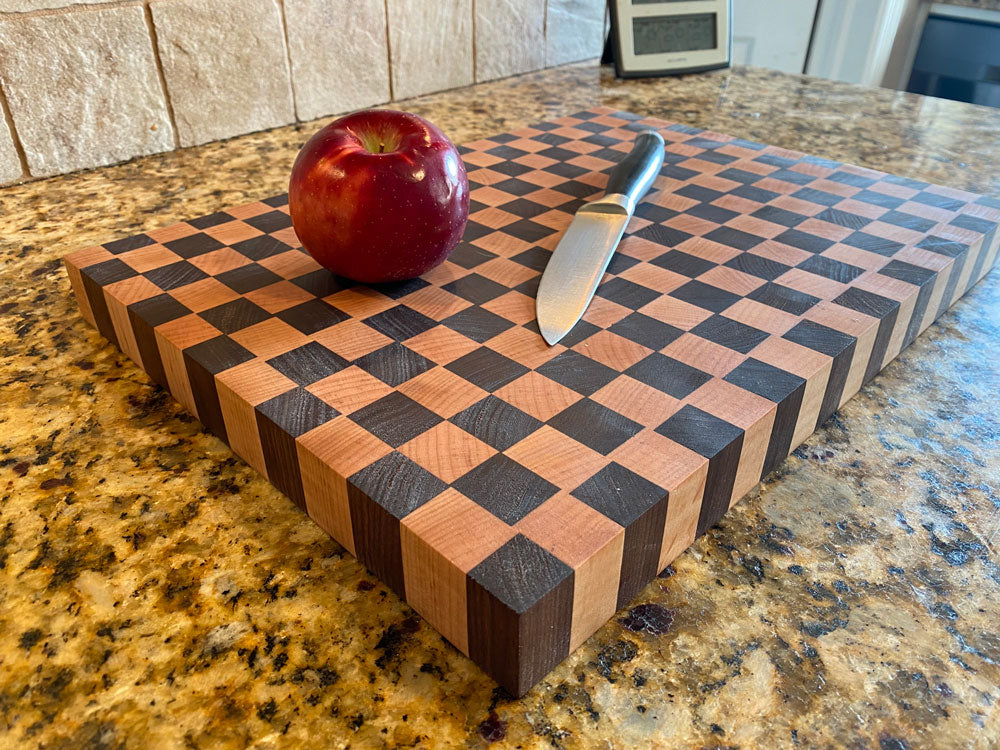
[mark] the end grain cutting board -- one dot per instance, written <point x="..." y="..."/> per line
<point x="516" y="494"/>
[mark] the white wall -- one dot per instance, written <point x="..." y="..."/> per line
<point x="772" y="33"/>
<point x="854" y="38"/>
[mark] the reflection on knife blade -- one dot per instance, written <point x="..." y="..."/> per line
<point x="582" y="255"/>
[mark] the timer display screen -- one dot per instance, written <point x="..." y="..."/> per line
<point x="658" y="34"/>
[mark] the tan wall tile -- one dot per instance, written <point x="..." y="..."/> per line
<point x="10" y="164"/>
<point x="574" y="30"/>
<point x="510" y="37"/>
<point x="339" y="55"/>
<point x="82" y="88"/>
<point x="225" y="65"/>
<point x="26" y="6"/>
<point x="431" y="45"/>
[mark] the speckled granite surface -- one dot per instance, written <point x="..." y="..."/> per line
<point x="982" y="4"/>
<point x="155" y="592"/>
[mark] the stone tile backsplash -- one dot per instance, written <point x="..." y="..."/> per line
<point x="574" y="30"/>
<point x="338" y="54"/>
<point x="510" y="37"/>
<point x="430" y="45"/>
<point x="10" y="163"/>
<point x="83" y="88"/>
<point x="126" y="78"/>
<point x="225" y="66"/>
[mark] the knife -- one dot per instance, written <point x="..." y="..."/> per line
<point x="582" y="255"/>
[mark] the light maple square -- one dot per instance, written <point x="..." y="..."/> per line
<point x="173" y="232"/>
<point x="442" y="391"/>
<point x="780" y="252"/>
<point x="255" y="381"/>
<point x="133" y="289"/>
<point x="493" y="217"/>
<point x="554" y="219"/>
<point x="548" y="197"/>
<point x="637" y="401"/>
<point x="351" y="339"/>
<point x="249" y="210"/>
<point x="703" y="354"/>
<point x="860" y="208"/>
<point x="434" y="302"/>
<point x="604" y="313"/>
<point x="613" y="350"/>
<point x="290" y="264"/>
<point x="279" y="296"/>
<point x="89" y="256"/>
<point x="708" y="250"/>
<point x="479" y="177"/>
<point x="538" y="395"/>
<point x="854" y="256"/>
<point x="811" y="283"/>
<point x="491" y="196"/>
<point x="732" y="280"/>
<point x="344" y="446"/>
<point x="481" y="159"/>
<point x="660" y="460"/>
<point x="639" y="248"/>
<point x="756" y="226"/>
<point x="691" y="224"/>
<point x="447" y="451"/>
<point x="506" y="272"/>
<point x="360" y="302"/>
<point x="219" y="261"/>
<point x="826" y="229"/>
<point x="442" y="345"/>
<point x="514" y="306"/>
<point x="201" y="295"/>
<point x="147" y="258"/>
<point x="232" y="232"/>
<point x="730" y="403"/>
<point x="675" y="312"/>
<point x="269" y="338"/>
<point x="654" y="277"/>
<point x="762" y="317"/>
<point x="568" y="528"/>
<point x="349" y="389"/>
<point x="557" y="457"/>
<point x="288" y="236"/>
<point x="187" y="331"/>
<point x="524" y="346"/>
<point x="796" y="205"/>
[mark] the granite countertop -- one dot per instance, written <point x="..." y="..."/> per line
<point x="155" y="592"/>
<point x="980" y="4"/>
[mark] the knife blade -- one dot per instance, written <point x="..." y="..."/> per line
<point x="578" y="263"/>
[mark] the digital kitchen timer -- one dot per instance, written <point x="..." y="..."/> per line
<point x="661" y="37"/>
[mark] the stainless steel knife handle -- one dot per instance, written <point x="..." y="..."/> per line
<point x="634" y="175"/>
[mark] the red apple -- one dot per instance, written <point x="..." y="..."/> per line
<point x="379" y="195"/>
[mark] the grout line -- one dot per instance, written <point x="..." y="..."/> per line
<point x="388" y="51"/>
<point x="148" y="15"/>
<point x="288" y="58"/>
<point x="475" y="52"/>
<point x="545" y="35"/>
<point x="18" y="146"/>
<point x="68" y="9"/>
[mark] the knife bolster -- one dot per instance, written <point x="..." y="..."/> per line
<point x="612" y="203"/>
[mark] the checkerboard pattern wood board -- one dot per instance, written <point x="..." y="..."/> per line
<point x="517" y="494"/>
